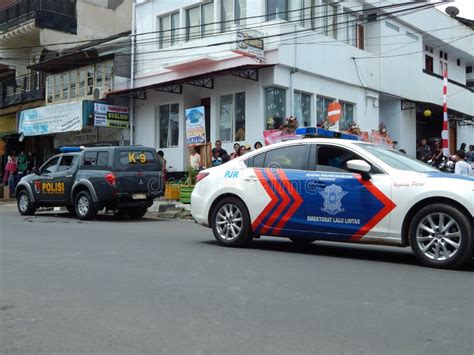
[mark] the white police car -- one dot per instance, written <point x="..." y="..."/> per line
<point x="339" y="190"/>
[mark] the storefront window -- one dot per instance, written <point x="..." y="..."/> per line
<point x="65" y="85"/>
<point x="73" y="84"/>
<point x="275" y="107"/>
<point x="50" y="87"/>
<point x="99" y="75"/>
<point x="90" y="80"/>
<point x="347" y="118"/>
<point x="322" y="108"/>
<point x="82" y="82"/>
<point x="168" y="125"/>
<point x="57" y="87"/>
<point x="302" y="108"/>
<point x="225" y="122"/>
<point x="239" y="117"/>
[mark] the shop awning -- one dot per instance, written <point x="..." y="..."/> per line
<point x="243" y="71"/>
<point x="7" y="125"/>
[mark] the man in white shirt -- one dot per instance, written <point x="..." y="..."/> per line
<point x="195" y="159"/>
<point x="462" y="167"/>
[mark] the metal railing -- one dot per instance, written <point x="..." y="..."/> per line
<point x="22" y="89"/>
<point x="24" y="10"/>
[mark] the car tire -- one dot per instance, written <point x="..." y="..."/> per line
<point x="84" y="206"/>
<point x="230" y="223"/>
<point x="71" y="210"/>
<point x="441" y="236"/>
<point x="302" y="241"/>
<point x="24" y="204"/>
<point x="136" y="212"/>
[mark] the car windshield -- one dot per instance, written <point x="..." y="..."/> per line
<point x="397" y="160"/>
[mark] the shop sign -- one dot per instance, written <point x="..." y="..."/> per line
<point x="51" y="119"/>
<point x="195" y="126"/>
<point x="87" y="135"/>
<point x="110" y="116"/>
<point x="7" y="125"/>
<point x="249" y="43"/>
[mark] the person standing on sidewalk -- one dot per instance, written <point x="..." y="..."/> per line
<point x="462" y="167"/>
<point x="22" y="165"/>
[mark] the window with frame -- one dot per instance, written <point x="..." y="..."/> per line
<point x="275" y="107"/>
<point x="79" y="83"/>
<point x="322" y="108"/>
<point x="351" y="28"/>
<point x="428" y="63"/>
<point x="232" y="117"/>
<point x="50" y="167"/>
<point x="330" y="19"/>
<point x="199" y="21"/>
<point x="302" y="108"/>
<point x="308" y="13"/>
<point x="233" y="12"/>
<point x="67" y="162"/>
<point x="277" y="9"/>
<point x="168" y="26"/>
<point x="168" y="116"/>
<point x="347" y="118"/>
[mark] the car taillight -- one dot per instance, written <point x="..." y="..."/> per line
<point x="111" y="179"/>
<point x="201" y="176"/>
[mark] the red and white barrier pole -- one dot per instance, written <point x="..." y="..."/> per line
<point x="445" y="131"/>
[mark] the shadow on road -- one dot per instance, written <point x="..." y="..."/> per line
<point x="341" y="250"/>
<point x="64" y="217"/>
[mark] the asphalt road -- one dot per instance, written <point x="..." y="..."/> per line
<point x="112" y="286"/>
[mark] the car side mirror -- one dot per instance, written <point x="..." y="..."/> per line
<point x="361" y="167"/>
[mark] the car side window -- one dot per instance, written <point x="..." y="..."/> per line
<point x="50" y="167"/>
<point x="103" y="158"/>
<point x="256" y="161"/>
<point x="67" y="162"/>
<point x="291" y="157"/>
<point x="90" y="158"/>
<point x="333" y="159"/>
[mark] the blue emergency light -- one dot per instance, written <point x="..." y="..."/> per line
<point x="70" y="149"/>
<point x="309" y="132"/>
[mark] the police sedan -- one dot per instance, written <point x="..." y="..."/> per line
<point x="339" y="190"/>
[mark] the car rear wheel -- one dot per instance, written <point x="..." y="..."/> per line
<point x="302" y="241"/>
<point x="136" y="212"/>
<point x="441" y="236"/>
<point x="24" y="204"/>
<point x="230" y="223"/>
<point x="84" y="206"/>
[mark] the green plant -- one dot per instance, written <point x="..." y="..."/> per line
<point x="191" y="176"/>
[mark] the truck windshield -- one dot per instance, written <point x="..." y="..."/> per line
<point x="397" y="160"/>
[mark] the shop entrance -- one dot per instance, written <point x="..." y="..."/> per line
<point x="206" y="102"/>
<point x="429" y="127"/>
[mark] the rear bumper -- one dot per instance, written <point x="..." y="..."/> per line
<point x="199" y="208"/>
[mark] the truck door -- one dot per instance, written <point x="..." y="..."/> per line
<point x="42" y="188"/>
<point x="63" y="179"/>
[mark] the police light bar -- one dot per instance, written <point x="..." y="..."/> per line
<point x="309" y="132"/>
<point x="70" y="149"/>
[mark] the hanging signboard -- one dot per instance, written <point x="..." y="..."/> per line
<point x="195" y="126"/>
<point x="51" y="119"/>
<point x="110" y="116"/>
<point x="250" y="44"/>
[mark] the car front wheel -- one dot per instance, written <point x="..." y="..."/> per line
<point x="84" y="206"/>
<point x="230" y="223"/>
<point x="24" y="204"/>
<point x="441" y="236"/>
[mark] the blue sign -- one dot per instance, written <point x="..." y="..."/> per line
<point x="195" y="126"/>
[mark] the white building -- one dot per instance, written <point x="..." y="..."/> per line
<point x="382" y="62"/>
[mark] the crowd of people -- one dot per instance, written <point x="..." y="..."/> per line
<point x="16" y="167"/>
<point x="433" y="155"/>
<point x="219" y="154"/>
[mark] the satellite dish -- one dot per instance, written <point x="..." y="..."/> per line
<point x="452" y="11"/>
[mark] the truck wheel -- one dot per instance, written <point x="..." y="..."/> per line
<point x="230" y="223"/>
<point x="302" y="241"/>
<point x="84" y="206"/>
<point x="441" y="236"/>
<point x="25" y="207"/>
<point x="136" y="212"/>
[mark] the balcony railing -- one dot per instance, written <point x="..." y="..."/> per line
<point x="22" y="89"/>
<point x="24" y="10"/>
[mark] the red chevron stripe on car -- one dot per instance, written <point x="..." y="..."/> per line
<point x="388" y="207"/>
<point x="295" y="201"/>
<point x="273" y="200"/>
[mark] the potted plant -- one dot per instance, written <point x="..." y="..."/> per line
<point x="186" y="189"/>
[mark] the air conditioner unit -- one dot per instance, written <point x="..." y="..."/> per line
<point x="98" y="94"/>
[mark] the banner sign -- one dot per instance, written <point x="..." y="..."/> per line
<point x="271" y="136"/>
<point x="7" y="124"/>
<point x="110" y="116"/>
<point x="51" y="119"/>
<point x="379" y="139"/>
<point x="195" y="126"/>
<point x="249" y="43"/>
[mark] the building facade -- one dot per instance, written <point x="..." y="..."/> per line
<point x="382" y="61"/>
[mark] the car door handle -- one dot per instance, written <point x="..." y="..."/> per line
<point x="50" y="178"/>
<point x="69" y="175"/>
<point x="251" y="178"/>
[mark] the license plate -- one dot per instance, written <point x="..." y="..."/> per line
<point x="138" y="196"/>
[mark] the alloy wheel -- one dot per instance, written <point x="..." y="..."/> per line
<point x="438" y="236"/>
<point x="24" y="202"/>
<point x="83" y="205"/>
<point x="229" y="222"/>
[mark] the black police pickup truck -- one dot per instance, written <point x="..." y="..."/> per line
<point x="123" y="179"/>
